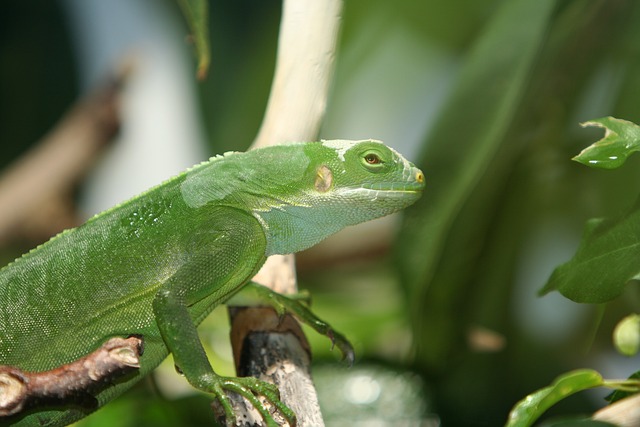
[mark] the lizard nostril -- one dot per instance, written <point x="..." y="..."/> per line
<point x="419" y="177"/>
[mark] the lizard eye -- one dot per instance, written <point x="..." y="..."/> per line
<point x="372" y="159"/>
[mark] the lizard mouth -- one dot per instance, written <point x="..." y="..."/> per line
<point x="413" y="185"/>
<point x="398" y="190"/>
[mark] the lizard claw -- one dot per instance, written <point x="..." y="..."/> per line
<point x="249" y="388"/>
<point x="337" y="339"/>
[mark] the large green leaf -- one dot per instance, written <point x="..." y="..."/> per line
<point x="609" y="252"/>
<point x="621" y="139"/>
<point x="607" y="258"/>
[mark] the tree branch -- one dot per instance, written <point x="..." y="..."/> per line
<point x="296" y="107"/>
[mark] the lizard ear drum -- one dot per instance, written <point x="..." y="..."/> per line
<point x="324" y="179"/>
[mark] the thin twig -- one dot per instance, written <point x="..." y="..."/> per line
<point x="71" y="383"/>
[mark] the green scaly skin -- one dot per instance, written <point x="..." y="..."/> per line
<point x="157" y="264"/>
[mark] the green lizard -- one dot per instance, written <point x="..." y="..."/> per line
<point x="156" y="265"/>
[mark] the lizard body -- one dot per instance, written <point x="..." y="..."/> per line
<point x="157" y="264"/>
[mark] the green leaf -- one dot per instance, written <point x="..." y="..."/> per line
<point x="607" y="258"/>
<point x="621" y="138"/>
<point x="621" y="393"/>
<point x="529" y="409"/>
<point x="197" y="14"/>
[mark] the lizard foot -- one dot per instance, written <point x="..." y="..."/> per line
<point x="284" y="304"/>
<point x="250" y="388"/>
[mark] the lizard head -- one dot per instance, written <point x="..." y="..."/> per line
<point x="368" y="175"/>
<point x="344" y="183"/>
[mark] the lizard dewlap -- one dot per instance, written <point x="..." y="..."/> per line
<point x="154" y="266"/>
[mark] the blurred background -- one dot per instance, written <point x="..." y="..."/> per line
<point x="441" y="303"/>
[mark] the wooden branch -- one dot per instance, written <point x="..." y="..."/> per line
<point x="297" y="103"/>
<point x="304" y="67"/>
<point x="273" y="349"/>
<point x="279" y="274"/>
<point x="75" y="382"/>
<point x="298" y="98"/>
<point x="43" y="179"/>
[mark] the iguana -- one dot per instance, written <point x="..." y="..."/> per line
<point x="154" y="266"/>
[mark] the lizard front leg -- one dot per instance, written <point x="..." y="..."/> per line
<point x="224" y="257"/>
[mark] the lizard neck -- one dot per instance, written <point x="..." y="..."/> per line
<point x="293" y="228"/>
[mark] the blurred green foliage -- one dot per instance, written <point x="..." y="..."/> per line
<point x="197" y="15"/>
<point x="500" y="172"/>
<point x="496" y="155"/>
